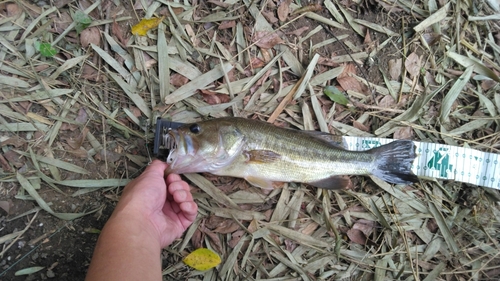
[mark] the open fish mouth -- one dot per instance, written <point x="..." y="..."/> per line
<point x="170" y="142"/>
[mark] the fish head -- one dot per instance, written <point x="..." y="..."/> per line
<point x="205" y="146"/>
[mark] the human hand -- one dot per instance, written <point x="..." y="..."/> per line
<point x="162" y="206"/>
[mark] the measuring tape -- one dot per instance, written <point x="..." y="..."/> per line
<point x="443" y="161"/>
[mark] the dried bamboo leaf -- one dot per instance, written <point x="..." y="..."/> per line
<point x="376" y="27"/>
<point x="32" y="192"/>
<point x="403" y="196"/>
<point x="262" y="24"/>
<point x="350" y="20"/>
<point x="470" y="126"/>
<point x="436" y="272"/>
<point x="323" y="126"/>
<point x="132" y="94"/>
<point x="163" y="63"/>
<point x="291" y="265"/>
<point x="448" y="236"/>
<point x="453" y="93"/>
<point x="67" y="65"/>
<point x="478" y="66"/>
<point x="301" y="238"/>
<point x="237" y="214"/>
<point x="438" y="16"/>
<point x="232" y="259"/>
<point x="13" y="82"/>
<point x="261" y="72"/>
<point x="202" y="81"/>
<point x="411" y="113"/>
<point x="247" y="197"/>
<point x="116" y="66"/>
<point x="326" y="76"/>
<point x="22" y="127"/>
<point x="333" y="10"/>
<point x="56" y="162"/>
<point x="211" y="190"/>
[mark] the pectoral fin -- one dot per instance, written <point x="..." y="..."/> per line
<point x="261" y="156"/>
<point x="332" y="183"/>
<point x="260" y="182"/>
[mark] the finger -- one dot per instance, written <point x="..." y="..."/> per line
<point x="173" y="178"/>
<point x="157" y="167"/>
<point x="181" y="196"/>
<point x="178" y="185"/>
<point x="189" y="209"/>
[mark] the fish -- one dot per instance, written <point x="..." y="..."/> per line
<point x="262" y="154"/>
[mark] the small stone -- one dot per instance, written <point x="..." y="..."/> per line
<point x="50" y="274"/>
<point x="34" y="257"/>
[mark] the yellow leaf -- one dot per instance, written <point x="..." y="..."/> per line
<point x="202" y="259"/>
<point x="145" y="25"/>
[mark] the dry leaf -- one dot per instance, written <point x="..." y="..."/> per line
<point x="62" y="22"/>
<point x="89" y="73"/>
<point x="61" y="3"/>
<point x="117" y="31"/>
<point x="178" y="80"/>
<point x="214" y="98"/>
<point x="227" y="24"/>
<point x="356" y="236"/>
<point x="202" y="259"/>
<point x="82" y="116"/>
<point x="360" y="126"/>
<point x="214" y="237"/>
<point x="284" y="10"/>
<point x="13" y="158"/>
<point x="347" y="82"/>
<point x="228" y="226"/>
<point x="135" y="111"/>
<point x="365" y="226"/>
<point x="412" y="65"/>
<point x="13" y="10"/>
<point x="298" y="32"/>
<point x="431" y="38"/>
<point x="142" y="28"/>
<point x="197" y="238"/>
<point x="270" y="17"/>
<point x="4" y="164"/>
<point x="266" y="39"/>
<point x="395" y="69"/>
<point x="403" y="133"/>
<point x="80" y="152"/>
<point x="90" y="35"/>
<point x="5" y="205"/>
<point x="488" y="84"/>
<point x="236" y="237"/>
<point x="387" y="102"/>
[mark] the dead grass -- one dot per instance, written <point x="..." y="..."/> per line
<point x="427" y="72"/>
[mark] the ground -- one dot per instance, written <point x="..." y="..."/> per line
<point x="383" y="233"/>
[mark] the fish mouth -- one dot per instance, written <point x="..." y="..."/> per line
<point x="170" y="142"/>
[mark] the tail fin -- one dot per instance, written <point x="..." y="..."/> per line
<point x="394" y="160"/>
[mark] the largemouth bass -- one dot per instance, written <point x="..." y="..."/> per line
<point x="262" y="153"/>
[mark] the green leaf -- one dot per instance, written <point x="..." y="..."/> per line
<point x="202" y="259"/>
<point x="29" y="270"/>
<point x="82" y="21"/>
<point x="335" y="95"/>
<point x="47" y="50"/>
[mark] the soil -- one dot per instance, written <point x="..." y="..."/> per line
<point x="64" y="248"/>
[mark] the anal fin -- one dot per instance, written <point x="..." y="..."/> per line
<point x="260" y="182"/>
<point x="332" y="183"/>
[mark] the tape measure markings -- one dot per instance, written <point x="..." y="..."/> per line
<point x="443" y="161"/>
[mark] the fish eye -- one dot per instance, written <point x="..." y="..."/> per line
<point x="195" y="128"/>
